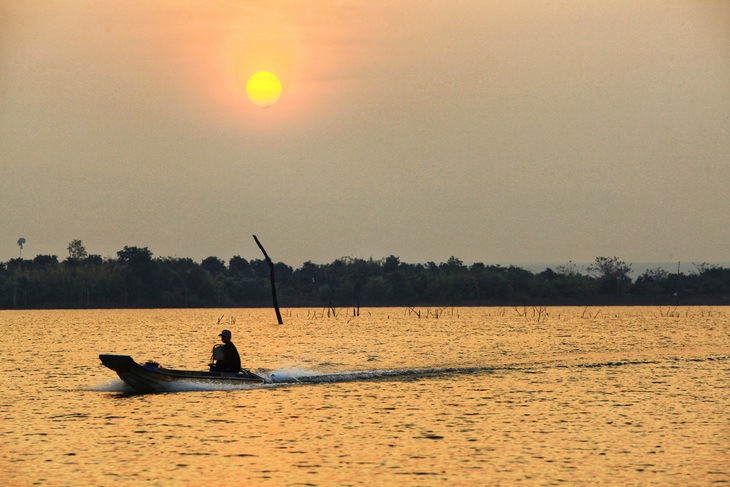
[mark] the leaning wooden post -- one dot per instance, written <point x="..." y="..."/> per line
<point x="273" y="280"/>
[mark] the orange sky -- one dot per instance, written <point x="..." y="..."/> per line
<point x="493" y="131"/>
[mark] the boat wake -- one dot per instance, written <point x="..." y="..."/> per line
<point x="287" y="376"/>
<point x="297" y="376"/>
<point x="114" y="385"/>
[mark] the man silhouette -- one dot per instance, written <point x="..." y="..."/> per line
<point x="226" y="358"/>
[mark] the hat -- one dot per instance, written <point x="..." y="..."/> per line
<point x="225" y="333"/>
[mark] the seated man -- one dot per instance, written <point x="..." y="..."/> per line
<point x="225" y="357"/>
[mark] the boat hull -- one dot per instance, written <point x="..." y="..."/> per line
<point x="152" y="378"/>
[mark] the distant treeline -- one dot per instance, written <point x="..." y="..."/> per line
<point x="136" y="279"/>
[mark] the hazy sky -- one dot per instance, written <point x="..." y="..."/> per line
<point x="495" y="131"/>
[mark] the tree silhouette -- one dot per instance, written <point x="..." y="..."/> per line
<point x="135" y="278"/>
<point x="21" y="242"/>
<point x="76" y="251"/>
<point x="612" y="274"/>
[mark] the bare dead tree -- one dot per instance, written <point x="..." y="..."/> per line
<point x="273" y="280"/>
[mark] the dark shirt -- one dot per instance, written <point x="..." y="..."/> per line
<point x="233" y="360"/>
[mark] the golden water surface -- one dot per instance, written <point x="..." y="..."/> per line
<point x="457" y="396"/>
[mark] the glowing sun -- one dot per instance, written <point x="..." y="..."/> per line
<point x="263" y="88"/>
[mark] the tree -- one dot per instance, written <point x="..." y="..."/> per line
<point x="76" y="251"/>
<point x="238" y="265"/>
<point x="391" y="263"/>
<point x="650" y="283"/>
<point x="453" y="264"/>
<point x="214" y="265"/>
<point x="134" y="256"/>
<point x="43" y="262"/>
<point x="612" y="274"/>
<point x="21" y="242"/>
<point x="567" y="269"/>
<point x="609" y="267"/>
<point x="137" y="264"/>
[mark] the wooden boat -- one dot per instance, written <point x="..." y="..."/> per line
<point x="150" y="377"/>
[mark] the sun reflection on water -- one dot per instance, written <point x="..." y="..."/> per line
<point x="613" y="396"/>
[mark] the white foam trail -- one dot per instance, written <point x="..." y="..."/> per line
<point x="290" y="375"/>
<point x="189" y="386"/>
<point x="297" y="375"/>
<point x="114" y="385"/>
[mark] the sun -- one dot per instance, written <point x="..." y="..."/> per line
<point x="263" y="88"/>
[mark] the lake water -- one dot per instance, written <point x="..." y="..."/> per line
<point x="457" y="396"/>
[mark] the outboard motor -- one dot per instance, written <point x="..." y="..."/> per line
<point x="216" y="355"/>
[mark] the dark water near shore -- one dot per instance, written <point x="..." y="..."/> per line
<point x="475" y="396"/>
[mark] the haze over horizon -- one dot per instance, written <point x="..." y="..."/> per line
<point x="496" y="132"/>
